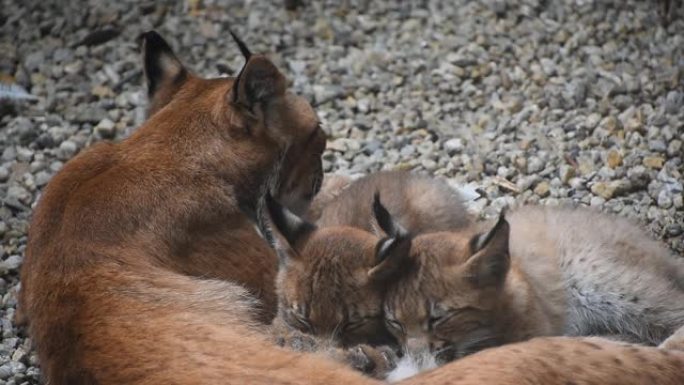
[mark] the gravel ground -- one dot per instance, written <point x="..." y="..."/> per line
<point x="520" y="100"/>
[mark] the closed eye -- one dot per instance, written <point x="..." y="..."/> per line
<point x="350" y="326"/>
<point x="395" y="326"/>
<point x="436" y="320"/>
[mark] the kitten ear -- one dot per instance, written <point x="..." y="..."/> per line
<point x="391" y="253"/>
<point x="385" y="221"/>
<point x="489" y="264"/>
<point x="392" y="257"/>
<point x="258" y="81"/>
<point x="281" y="228"/>
<point x="163" y="71"/>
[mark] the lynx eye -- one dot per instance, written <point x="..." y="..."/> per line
<point x="395" y="326"/>
<point x="355" y="324"/>
<point x="351" y="326"/>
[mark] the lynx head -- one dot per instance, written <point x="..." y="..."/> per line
<point x="450" y="302"/>
<point x="247" y="128"/>
<point x="331" y="279"/>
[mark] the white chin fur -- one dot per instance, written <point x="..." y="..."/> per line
<point x="410" y="365"/>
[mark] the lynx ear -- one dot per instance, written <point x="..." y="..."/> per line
<point x="385" y="221"/>
<point x="258" y="81"/>
<point x="163" y="71"/>
<point x="392" y="257"/>
<point x="489" y="264"/>
<point x="282" y="229"/>
<point x="392" y="254"/>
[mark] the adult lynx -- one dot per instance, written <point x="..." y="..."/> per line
<point x="139" y="253"/>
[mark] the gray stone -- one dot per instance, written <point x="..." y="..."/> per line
<point x="9" y="153"/>
<point x="526" y="182"/>
<point x="674" y="102"/>
<point x="11" y="263"/>
<point x="24" y="154"/>
<point x="534" y="165"/>
<point x="18" y="193"/>
<point x="106" y="128"/>
<point x="657" y="145"/>
<point x="4" y="174"/>
<point x="5" y="371"/>
<point x="675" y="148"/>
<point x="67" y="150"/>
<point x="34" y="60"/>
<point x="42" y="178"/>
<point x="454" y="146"/>
<point x="664" y="199"/>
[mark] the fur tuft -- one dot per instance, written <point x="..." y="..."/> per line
<point x="410" y="365"/>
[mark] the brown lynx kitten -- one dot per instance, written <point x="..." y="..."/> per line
<point x="537" y="272"/>
<point x="331" y="277"/>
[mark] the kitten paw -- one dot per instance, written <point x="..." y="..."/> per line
<point x="297" y="341"/>
<point x="376" y="362"/>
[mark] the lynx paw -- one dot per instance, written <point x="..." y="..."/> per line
<point x="376" y="362"/>
<point x="297" y="341"/>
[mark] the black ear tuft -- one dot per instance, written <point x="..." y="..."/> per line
<point x="258" y="81"/>
<point x="247" y="54"/>
<point x="241" y="45"/>
<point x="162" y="69"/>
<point x="385" y="220"/>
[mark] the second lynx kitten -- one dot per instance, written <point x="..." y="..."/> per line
<point x="538" y="271"/>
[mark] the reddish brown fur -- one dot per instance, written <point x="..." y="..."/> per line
<point x="129" y="239"/>
<point x="563" y="361"/>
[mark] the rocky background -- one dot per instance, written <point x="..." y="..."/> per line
<point x="551" y="102"/>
